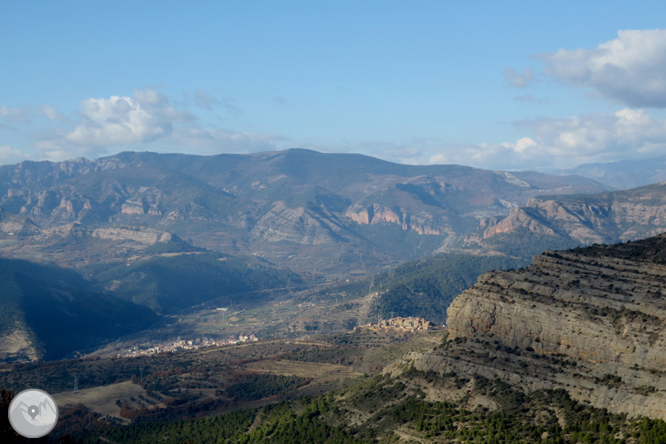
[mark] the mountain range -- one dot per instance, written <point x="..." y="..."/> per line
<point x="317" y="212"/>
<point x="155" y="230"/>
<point x="624" y="174"/>
<point x="583" y="219"/>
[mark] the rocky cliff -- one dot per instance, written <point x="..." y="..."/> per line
<point x="590" y="320"/>
<point x="76" y="245"/>
<point x="601" y="218"/>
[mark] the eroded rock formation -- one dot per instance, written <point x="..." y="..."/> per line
<point x="589" y="320"/>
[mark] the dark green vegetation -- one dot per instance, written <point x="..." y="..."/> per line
<point x="651" y="250"/>
<point x="168" y="284"/>
<point x="205" y="382"/>
<point x="383" y="409"/>
<point x="522" y="243"/>
<point x="425" y="287"/>
<point x="251" y="407"/>
<point x="57" y="311"/>
<point x="251" y="387"/>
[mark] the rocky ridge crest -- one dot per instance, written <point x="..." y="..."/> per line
<point x="616" y="216"/>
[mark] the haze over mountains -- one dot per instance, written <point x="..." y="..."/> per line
<point x="624" y="174"/>
<point x="299" y="208"/>
<point x="610" y="217"/>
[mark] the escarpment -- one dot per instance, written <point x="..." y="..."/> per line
<point x="601" y="218"/>
<point x="590" y="320"/>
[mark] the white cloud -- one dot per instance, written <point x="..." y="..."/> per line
<point x="482" y="155"/>
<point x="517" y="79"/>
<point x="562" y="143"/>
<point x="8" y="155"/>
<point x="56" y="148"/>
<point x="203" y="100"/>
<point x="123" y="120"/>
<point x="13" y="115"/>
<point x="529" y="98"/>
<point x="105" y="125"/>
<point x="52" y="114"/>
<point x="598" y="135"/>
<point x="521" y="145"/>
<point x="230" y="107"/>
<point x="630" y="69"/>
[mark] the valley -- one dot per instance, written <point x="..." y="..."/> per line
<point x="227" y="222"/>
<point x="414" y="316"/>
<point x="524" y="356"/>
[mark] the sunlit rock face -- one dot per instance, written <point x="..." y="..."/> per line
<point x="590" y="320"/>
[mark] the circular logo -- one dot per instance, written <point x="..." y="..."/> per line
<point x="33" y="413"/>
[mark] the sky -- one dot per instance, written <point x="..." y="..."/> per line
<point x="502" y="85"/>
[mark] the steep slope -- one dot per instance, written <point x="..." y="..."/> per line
<point x="422" y="288"/>
<point x="76" y="245"/>
<point x="173" y="282"/>
<point x="600" y="218"/>
<point x="309" y="210"/>
<point x="591" y="321"/>
<point x="49" y="312"/>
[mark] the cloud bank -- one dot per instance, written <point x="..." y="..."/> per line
<point x="10" y="155"/>
<point x="630" y="69"/>
<point x="105" y="124"/>
<point x="567" y="142"/>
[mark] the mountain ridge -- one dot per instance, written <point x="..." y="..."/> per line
<point x="49" y="312"/>
<point x="609" y="217"/>
<point x="293" y="207"/>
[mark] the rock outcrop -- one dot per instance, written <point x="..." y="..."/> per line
<point x="77" y="245"/>
<point x="601" y="218"/>
<point x="590" y="320"/>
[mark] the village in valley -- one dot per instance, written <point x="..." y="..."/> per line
<point x="183" y="344"/>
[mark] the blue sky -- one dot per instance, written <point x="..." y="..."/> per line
<point x="511" y="85"/>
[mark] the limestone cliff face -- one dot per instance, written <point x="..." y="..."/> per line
<point x="147" y="236"/>
<point x="591" y="321"/>
<point x="602" y="218"/>
<point x="421" y="222"/>
<point x="75" y="244"/>
<point x="298" y="225"/>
